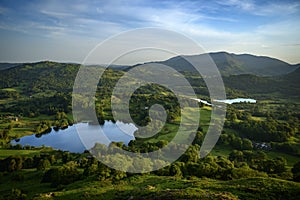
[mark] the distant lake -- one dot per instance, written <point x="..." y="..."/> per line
<point x="81" y="136"/>
<point x="237" y="100"/>
<point x="228" y="101"/>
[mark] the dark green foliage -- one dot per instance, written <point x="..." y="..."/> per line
<point x="273" y="166"/>
<point x="296" y="172"/>
<point x="64" y="175"/>
<point x="43" y="164"/>
<point x="11" y="164"/>
<point x="16" y="194"/>
<point x="265" y="131"/>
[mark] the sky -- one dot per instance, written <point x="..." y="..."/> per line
<point x="66" y="31"/>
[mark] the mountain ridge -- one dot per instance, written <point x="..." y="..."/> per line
<point x="227" y="63"/>
<point x="235" y="64"/>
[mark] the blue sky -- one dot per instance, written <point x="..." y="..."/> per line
<point x="35" y="30"/>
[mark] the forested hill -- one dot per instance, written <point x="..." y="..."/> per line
<point x="286" y="86"/>
<point x="39" y="77"/>
<point x="232" y="64"/>
<point x="48" y="77"/>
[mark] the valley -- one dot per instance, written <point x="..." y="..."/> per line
<point x="256" y="157"/>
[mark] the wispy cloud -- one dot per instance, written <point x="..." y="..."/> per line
<point x="60" y="15"/>
<point x="219" y="24"/>
<point x="247" y="5"/>
<point x="263" y="8"/>
<point x="2" y="10"/>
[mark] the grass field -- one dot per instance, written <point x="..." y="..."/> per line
<point x="155" y="187"/>
<point x="12" y="152"/>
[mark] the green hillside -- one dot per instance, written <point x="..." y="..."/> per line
<point x="36" y="97"/>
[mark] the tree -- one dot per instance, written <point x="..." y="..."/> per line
<point x="246" y="172"/>
<point x="43" y="164"/>
<point x="52" y="159"/>
<point x="273" y="166"/>
<point x="175" y="169"/>
<point x="66" y="157"/>
<point x="237" y="143"/>
<point x="90" y="170"/>
<point x="236" y="155"/>
<point x="17" y="194"/>
<point x="198" y="138"/>
<point x="247" y="144"/>
<point x="64" y="175"/>
<point x="12" y="165"/>
<point x="28" y="163"/>
<point x="15" y="163"/>
<point x="191" y="155"/>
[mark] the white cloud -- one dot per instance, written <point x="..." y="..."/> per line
<point x="263" y="8"/>
<point x="82" y="21"/>
<point x="241" y="4"/>
<point x="278" y="9"/>
<point x="60" y="15"/>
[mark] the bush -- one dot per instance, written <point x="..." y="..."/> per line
<point x="17" y="194"/>
<point x="43" y="164"/>
<point x="296" y="172"/>
<point x="246" y="172"/>
<point x="64" y="175"/>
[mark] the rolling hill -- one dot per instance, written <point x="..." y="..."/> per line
<point x="243" y="73"/>
<point x="232" y="64"/>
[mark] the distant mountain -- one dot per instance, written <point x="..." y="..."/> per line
<point x="51" y="77"/>
<point x="232" y="64"/>
<point x="227" y="63"/>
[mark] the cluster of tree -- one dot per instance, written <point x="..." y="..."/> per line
<point x="146" y="96"/>
<point x="241" y="164"/>
<point x="258" y="160"/>
<point x="41" y="162"/>
<point x="269" y="130"/>
<point x="235" y="141"/>
<point x="62" y="168"/>
<point x="35" y="106"/>
<point x="265" y="131"/>
<point x="9" y="94"/>
<point x="246" y="163"/>
<point x="287" y="147"/>
<point x="62" y="175"/>
<point x="43" y="127"/>
<point x="16" y="194"/>
<point x="5" y="132"/>
<point x="62" y="121"/>
<point x="40" y="77"/>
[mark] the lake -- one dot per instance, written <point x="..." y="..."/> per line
<point x="237" y="100"/>
<point x="81" y="136"/>
<point x="228" y="101"/>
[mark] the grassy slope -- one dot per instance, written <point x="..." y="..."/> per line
<point x="157" y="187"/>
<point x="4" y="153"/>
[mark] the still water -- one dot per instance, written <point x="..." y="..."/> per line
<point x="228" y="101"/>
<point x="82" y="136"/>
